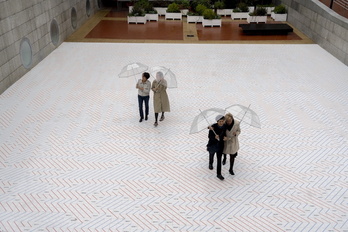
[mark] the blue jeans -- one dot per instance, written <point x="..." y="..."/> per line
<point x="141" y="100"/>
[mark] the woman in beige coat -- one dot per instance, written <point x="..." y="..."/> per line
<point x="231" y="143"/>
<point x="160" y="97"/>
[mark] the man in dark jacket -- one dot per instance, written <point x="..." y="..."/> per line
<point x="216" y="144"/>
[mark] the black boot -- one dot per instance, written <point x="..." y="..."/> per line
<point x="231" y="164"/>
<point x="211" y="160"/>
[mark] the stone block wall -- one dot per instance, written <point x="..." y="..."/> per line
<point x="31" y="29"/>
<point x="324" y="26"/>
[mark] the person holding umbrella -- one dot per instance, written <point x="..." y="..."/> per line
<point x="216" y="143"/>
<point x="231" y="143"/>
<point x="143" y="85"/>
<point x="160" y="97"/>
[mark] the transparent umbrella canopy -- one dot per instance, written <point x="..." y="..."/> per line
<point x="168" y="75"/>
<point x="244" y="114"/>
<point x="204" y="119"/>
<point x="132" y="69"/>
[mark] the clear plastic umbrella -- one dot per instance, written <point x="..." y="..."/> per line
<point x="168" y="75"/>
<point x="244" y="114"/>
<point x="132" y="69"/>
<point x="205" y="118"/>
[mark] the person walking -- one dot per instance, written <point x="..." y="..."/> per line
<point x="216" y="144"/>
<point x="160" y="97"/>
<point x="231" y="143"/>
<point x="143" y="85"/>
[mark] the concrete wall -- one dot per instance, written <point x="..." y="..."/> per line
<point x="321" y="24"/>
<point x="43" y="25"/>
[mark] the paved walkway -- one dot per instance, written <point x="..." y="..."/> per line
<point x="73" y="156"/>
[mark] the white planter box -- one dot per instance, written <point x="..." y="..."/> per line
<point x="136" y="19"/>
<point x="211" y="22"/>
<point x="279" y="17"/>
<point x="251" y="8"/>
<point x="269" y="10"/>
<point x="257" y="19"/>
<point x="184" y="11"/>
<point x="224" y="12"/>
<point x="151" y="17"/>
<point x="239" y="15"/>
<point x="161" y="10"/>
<point x="173" y="15"/>
<point x="194" y="18"/>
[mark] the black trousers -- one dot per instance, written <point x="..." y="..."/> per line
<point x="232" y="156"/>
<point x="218" y="157"/>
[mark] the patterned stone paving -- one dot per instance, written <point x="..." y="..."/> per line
<point x="73" y="156"/>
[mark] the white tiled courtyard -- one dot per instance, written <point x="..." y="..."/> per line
<point x="73" y="156"/>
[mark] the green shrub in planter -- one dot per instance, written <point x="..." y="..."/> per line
<point x="136" y="11"/>
<point x="142" y="3"/>
<point x="260" y="11"/>
<point x="205" y="3"/>
<point x="184" y="4"/>
<point x="242" y="7"/>
<point x="219" y="5"/>
<point x="280" y="9"/>
<point x="173" y="8"/>
<point x="210" y="14"/>
<point x="200" y="8"/>
<point x="148" y="8"/>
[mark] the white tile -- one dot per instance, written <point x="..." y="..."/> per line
<point x="73" y="155"/>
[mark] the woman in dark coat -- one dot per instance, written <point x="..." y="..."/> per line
<point x="216" y="144"/>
